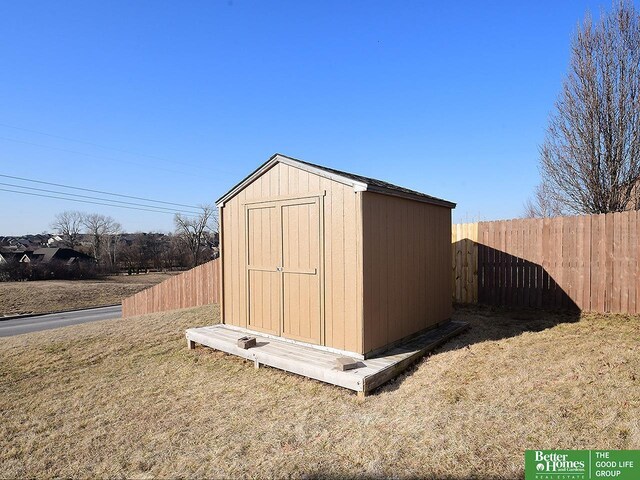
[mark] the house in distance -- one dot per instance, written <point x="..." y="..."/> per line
<point x="348" y="263"/>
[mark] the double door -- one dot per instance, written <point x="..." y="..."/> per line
<point x="283" y="268"/>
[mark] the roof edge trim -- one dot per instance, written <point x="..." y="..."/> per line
<point x="279" y="158"/>
<point x="409" y="196"/>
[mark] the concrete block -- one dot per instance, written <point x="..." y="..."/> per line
<point x="346" y="363"/>
<point x="246" y="342"/>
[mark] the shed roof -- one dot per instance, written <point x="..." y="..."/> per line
<point x="358" y="182"/>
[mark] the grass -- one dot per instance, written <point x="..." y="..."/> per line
<point x="59" y="295"/>
<point x="125" y="398"/>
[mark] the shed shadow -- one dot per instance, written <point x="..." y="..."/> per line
<point x="514" y="296"/>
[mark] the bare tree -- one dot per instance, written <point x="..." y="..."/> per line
<point x="69" y="226"/>
<point x="114" y="232"/>
<point x="590" y="158"/>
<point x="146" y="250"/>
<point x="544" y="203"/>
<point x="193" y="230"/>
<point x="176" y="254"/>
<point x="101" y="228"/>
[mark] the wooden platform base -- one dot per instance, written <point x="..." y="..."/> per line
<point x="321" y="365"/>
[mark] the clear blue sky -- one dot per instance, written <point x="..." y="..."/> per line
<point x="448" y="98"/>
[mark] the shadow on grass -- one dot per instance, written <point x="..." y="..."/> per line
<point x="489" y="324"/>
<point x="498" y="323"/>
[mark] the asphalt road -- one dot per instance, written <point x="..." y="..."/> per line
<point x="36" y="323"/>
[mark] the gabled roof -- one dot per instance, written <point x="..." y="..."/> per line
<point x="46" y="255"/>
<point x="21" y="256"/>
<point x="358" y="182"/>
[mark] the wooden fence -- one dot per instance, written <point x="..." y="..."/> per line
<point x="585" y="262"/>
<point x="589" y="262"/>
<point x="193" y="288"/>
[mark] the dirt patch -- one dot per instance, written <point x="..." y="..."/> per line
<point x="129" y="400"/>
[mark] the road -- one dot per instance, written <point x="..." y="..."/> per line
<point x="36" y="323"/>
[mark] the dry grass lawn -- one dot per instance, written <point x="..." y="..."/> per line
<point x="59" y="295"/>
<point x="125" y="398"/>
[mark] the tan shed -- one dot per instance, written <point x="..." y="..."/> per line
<point x="340" y="261"/>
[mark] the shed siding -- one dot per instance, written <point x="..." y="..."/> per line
<point x="407" y="252"/>
<point x="342" y="251"/>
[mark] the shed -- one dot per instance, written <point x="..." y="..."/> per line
<point x="344" y="262"/>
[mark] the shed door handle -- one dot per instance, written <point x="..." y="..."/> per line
<point x="279" y="269"/>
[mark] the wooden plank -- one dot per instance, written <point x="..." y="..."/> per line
<point x="528" y="293"/>
<point x="624" y="277"/>
<point x="544" y="271"/>
<point x="599" y="276"/>
<point x="465" y="262"/>
<point x="454" y="264"/>
<point x="520" y="262"/>
<point x="493" y="263"/>
<point x="609" y="242"/>
<point x="631" y="262"/>
<point x="616" y="262"/>
<point x="540" y="275"/>
<point x="585" y="303"/>
<point x="509" y="262"/>
<point x="568" y="259"/>
<point x="474" y="256"/>
<point x="482" y="262"/>
<point x="502" y="262"/>
<point x="490" y="264"/>
<point x="522" y="266"/>
<point x="459" y="263"/>
<point x="558" y="262"/>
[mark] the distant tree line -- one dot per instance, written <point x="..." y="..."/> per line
<point x="54" y="270"/>
<point x="108" y="249"/>
<point x="194" y="241"/>
<point x="144" y="251"/>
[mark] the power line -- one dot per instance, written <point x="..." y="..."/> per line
<point x="167" y="209"/>
<point x="80" y="201"/>
<point x="99" y="157"/>
<point x="96" y="191"/>
<point x="115" y="149"/>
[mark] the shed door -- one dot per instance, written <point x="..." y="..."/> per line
<point x="301" y="270"/>
<point x="283" y="268"/>
<point x="263" y="261"/>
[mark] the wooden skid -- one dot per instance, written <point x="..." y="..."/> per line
<point x="321" y="365"/>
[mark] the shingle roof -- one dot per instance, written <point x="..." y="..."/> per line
<point x="365" y="183"/>
<point x="380" y="184"/>
<point x="46" y="255"/>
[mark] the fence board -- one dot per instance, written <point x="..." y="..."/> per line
<point x="464" y="238"/>
<point x="193" y="288"/>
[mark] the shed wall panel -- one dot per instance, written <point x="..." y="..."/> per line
<point x="406" y="270"/>
<point x="341" y="249"/>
